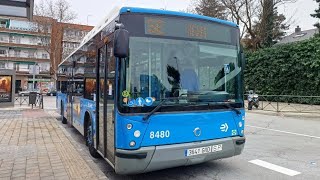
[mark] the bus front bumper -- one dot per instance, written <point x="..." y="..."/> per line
<point x="154" y="158"/>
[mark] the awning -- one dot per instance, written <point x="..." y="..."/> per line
<point x="40" y="80"/>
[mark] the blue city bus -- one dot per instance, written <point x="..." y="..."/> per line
<point x="154" y="89"/>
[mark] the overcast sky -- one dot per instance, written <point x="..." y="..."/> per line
<point x="95" y="10"/>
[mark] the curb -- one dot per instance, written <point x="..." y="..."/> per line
<point x="286" y="114"/>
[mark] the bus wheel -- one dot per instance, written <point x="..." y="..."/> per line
<point x="64" y="120"/>
<point x="89" y="140"/>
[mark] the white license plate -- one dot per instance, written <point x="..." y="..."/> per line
<point x="203" y="150"/>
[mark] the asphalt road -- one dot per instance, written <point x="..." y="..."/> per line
<point x="274" y="143"/>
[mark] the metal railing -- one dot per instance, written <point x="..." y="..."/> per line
<point x="24" y="100"/>
<point x="287" y="103"/>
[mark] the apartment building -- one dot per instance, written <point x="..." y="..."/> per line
<point x="22" y="46"/>
<point x="21" y="49"/>
<point x="71" y="37"/>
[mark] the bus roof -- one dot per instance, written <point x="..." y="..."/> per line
<point x="174" y="13"/>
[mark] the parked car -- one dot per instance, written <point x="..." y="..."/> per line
<point x="27" y="92"/>
<point x="52" y="93"/>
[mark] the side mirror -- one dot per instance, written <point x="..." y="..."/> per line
<point x="121" y="43"/>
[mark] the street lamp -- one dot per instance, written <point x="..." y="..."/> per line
<point x="88" y="18"/>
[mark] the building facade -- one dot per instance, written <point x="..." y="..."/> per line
<point x="72" y="35"/>
<point x="22" y="47"/>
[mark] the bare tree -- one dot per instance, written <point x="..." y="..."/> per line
<point x="245" y="13"/>
<point x="259" y="19"/>
<point x="49" y="14"/>
<point x="59" y="10"/>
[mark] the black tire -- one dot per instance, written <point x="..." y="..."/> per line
<point x="89" y="140"/>
<point x="63" y="119"/>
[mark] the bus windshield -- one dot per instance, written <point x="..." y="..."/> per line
<point x="164" y="68"/>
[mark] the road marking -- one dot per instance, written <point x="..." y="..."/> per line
<point x="274" y="167"/>
<point x="292" y="133"/>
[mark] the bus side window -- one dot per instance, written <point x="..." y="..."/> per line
<point x="90" y="88"/>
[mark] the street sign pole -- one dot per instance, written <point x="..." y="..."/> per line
<point x="34" y="76"/>
<point x="226" y="71"/>
<point x="225" y="82"/>
<point x="34" y="71"/>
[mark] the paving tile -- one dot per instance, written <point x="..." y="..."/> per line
<point x="61" y="178"/>
<point x="5" y="178"/>
<point x="18" y="178"/>
<point x="5" y="174"/>
<point x="34" y="146"/>
<point x="47" y="178"/>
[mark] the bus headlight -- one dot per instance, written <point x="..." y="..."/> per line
<point x="240" y="124"/>
<point x="132" y="143"/>
<point x="129" y="126"/>
<point x="137" y="133"/>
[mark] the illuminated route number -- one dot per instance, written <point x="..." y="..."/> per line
<point x="159" y="134"/>
<point x="155" y="26"/>
<point x="196" y="31"/>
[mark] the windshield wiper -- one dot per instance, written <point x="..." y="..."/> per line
<point x="228" y="106"/>
<point x="232" y="108"/>
<point x="147" y="116"/>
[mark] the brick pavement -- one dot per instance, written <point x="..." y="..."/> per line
<point x="34" y="146"/>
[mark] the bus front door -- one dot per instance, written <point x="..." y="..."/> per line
<point x="106" y="102"/>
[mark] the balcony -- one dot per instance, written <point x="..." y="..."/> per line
<point x="26" y="73"/>
<point x="16" y="41"/>
<point x="16" y="31"/>
<point x="27" y="46"/>
<point x="17" y="57"/>
<point x="4" y="38"/>
<point x="74" y="39"/>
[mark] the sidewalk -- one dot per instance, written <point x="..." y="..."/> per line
<point x="286" y="114"/>
<point x="33" y="145"/>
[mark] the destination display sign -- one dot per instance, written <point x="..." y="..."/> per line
<point x="187" y="28"/>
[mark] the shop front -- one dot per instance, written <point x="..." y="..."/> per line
<point x="41" y="84"/>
